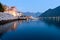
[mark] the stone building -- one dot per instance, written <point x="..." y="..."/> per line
<point x="11" y="10"/>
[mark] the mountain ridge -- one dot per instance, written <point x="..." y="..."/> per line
<point x="51" y="12"/>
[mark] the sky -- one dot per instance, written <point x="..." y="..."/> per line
<point x="32" y="5"/>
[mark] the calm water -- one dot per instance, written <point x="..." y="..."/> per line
<point x="30" y="30"/>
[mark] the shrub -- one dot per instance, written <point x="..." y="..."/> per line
<point x="1" y="8"/>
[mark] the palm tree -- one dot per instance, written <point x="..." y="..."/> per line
<point x="1" y="8"/>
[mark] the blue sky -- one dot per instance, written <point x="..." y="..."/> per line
<point x="32" y="5"/>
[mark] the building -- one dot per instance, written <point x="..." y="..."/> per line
<point x="13" y="11"/>
<point x="19" y="14"/>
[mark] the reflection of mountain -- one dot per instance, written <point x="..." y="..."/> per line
<point x="53" y="22"/>
<point x="51" y="12"/>
<point x="6" y="27"/>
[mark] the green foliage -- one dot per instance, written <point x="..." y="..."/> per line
<point x="1" y="8"/>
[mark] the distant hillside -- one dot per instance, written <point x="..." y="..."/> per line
<point x="32" y="14"/>
<point x="51" y="12"/>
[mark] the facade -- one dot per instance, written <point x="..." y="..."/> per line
<point x="13" y="11"/>
<point x="19" y="14"/>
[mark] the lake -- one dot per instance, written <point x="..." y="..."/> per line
<point x="30" y="30"/>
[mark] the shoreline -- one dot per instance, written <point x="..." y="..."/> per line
<point x="2" y="22"/>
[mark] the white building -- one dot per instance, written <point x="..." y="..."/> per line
<point x="13" y="11"/>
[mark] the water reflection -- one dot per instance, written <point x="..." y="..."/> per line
<point x="32" y="29"/>
<point x="9" y="27"/>
<point x="52" y="21"/>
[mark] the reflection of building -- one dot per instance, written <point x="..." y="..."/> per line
<point x="14" y="26"/>
<point x="9" y="26"/>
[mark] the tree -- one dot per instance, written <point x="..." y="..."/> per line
<point x="1" y="8"/>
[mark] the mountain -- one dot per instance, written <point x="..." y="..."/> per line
<point x="37" y="14"/>
<point x="32" y="14"/>
<point x="51" y="12"/>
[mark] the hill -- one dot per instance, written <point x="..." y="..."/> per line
<point x="51" y="12"/>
